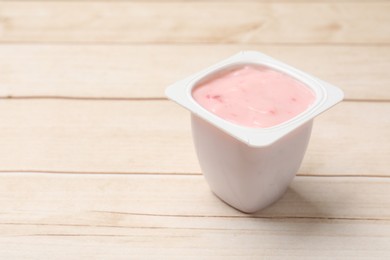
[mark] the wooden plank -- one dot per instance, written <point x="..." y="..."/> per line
<point x="138" y="71"/>
<point x="137" y="216"/>
<point x="347" y="136"/>
<point x="218" y="1"/>
<point x="153" y="22"/>
<point x="132" y="195"/>
<point x="353" y="241"/>
<point x="154" y="137"/>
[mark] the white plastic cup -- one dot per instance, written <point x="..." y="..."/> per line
<point x="250" y="168"/>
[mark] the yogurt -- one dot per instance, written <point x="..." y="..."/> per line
<point x="254" y="96"/>
<point x="251" y="167"/>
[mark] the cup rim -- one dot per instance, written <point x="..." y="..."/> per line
<point x="326" y="96"/>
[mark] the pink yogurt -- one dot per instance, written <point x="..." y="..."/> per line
<point x="254" y="96"/>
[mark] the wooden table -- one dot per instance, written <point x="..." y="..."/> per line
<point x="96" y="163"/>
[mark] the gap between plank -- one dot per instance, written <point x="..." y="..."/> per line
<point x="243" y="44"/>
<point x="243" y="216"/>
<point x="140" y="98"/>
<point x="179" y="174"/>
<point x="85" y="98"/>
<point x="213" y="1"/>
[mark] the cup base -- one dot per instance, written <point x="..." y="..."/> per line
<point x="250" y="211"/>
<point x="245" y="177"/>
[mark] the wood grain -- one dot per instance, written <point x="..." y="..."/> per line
<point x="354" y="240"/>
<point x="137" y="195"/>
<point x="96" y="164"/>
<point x="122" y="216"/>
<point x="217" y="1"/>
<point x="194" y="22"/>
<point x="144" y="71"/>
<point x="154" y="137"/>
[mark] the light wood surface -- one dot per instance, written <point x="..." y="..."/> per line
<point x="95" y="163"/>
<point x="141" y="136"/>
<point x="192" y="21"/>
<point x="136" y="215"/>
<point x="144" y="71"/>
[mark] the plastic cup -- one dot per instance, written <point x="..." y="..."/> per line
<point x="251" y="168"/>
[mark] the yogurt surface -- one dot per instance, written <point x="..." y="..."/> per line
<point x="254" y="96"/>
